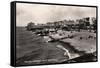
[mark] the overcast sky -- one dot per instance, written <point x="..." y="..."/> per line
<point x="39" y="13"/>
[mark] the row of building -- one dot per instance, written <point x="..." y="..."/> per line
<point x="71" y="24"/>
<point x="88" y="21"/>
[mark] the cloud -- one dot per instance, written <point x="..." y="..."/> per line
<point x="44" y="13"/>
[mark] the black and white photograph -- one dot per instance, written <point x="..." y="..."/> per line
<point x="55" y="34"/>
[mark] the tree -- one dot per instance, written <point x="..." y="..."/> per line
<point x="94" y="24"/>
<point x="87" y="23"/>
<point x="30" y="26"/>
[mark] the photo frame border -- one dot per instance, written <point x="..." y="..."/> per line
<point x="13" y="31"/>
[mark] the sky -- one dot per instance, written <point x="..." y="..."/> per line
<point x="41" y="14"/>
